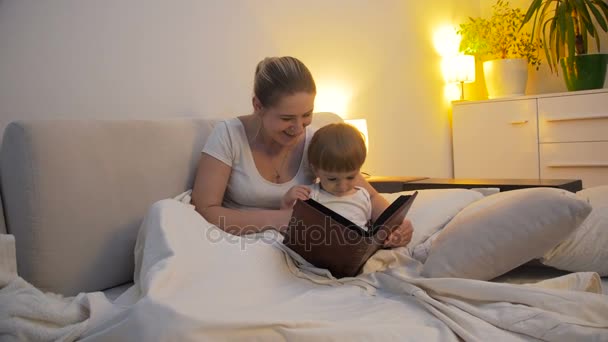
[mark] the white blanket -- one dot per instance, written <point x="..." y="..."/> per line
<point x="28" y="314"/>
<point x="195" y="282"/>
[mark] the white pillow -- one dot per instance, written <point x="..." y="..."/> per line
<point x="585" y="250"/>
<point x="433" y="208"/>
<point x="597" y="195"/>
<point x="503" y="231"/>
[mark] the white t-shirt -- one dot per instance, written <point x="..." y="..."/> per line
<point x="356" y="207"/>
<point x="247" y="189"/>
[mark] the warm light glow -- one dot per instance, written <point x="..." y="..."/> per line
<point x="446" y="41"/>
<point x="361" y="125"/>
<point x="459" y="68"/>
<point x="332" y="99"/>
<point x="451" y="92"/>
<point x="456" y="68"/>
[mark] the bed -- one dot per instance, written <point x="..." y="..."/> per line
<point x="107" y="247"/>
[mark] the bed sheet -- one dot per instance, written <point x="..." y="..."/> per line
<point x="522" y="275"/>
<point x="529" y="274"/>
<point x="193" y="281"/>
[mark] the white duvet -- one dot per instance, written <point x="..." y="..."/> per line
<point x="194" y="282"/>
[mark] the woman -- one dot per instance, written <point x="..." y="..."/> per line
<point x="251" y="161"/>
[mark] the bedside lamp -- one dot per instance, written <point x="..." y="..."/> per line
<point x="361" y="125"/>
<point x="460" y="69"/>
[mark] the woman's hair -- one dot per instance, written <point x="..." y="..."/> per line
<point x="276" y="77"/>
<point x="337" y="147"/>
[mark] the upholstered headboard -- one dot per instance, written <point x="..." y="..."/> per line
<point x="74" y="192"/>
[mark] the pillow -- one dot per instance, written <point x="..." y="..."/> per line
<point x="597" y="195"/>
<point x="503" y="231"/>
<point x="585" y="250"/>
<point x="433" y="208"/>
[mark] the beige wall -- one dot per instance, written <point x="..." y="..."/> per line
<point x="158" y="58"/>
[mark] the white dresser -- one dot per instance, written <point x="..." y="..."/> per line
<point x="548" y="136"/>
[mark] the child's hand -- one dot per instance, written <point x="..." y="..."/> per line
<point x="401" y="236"/>
<point x="295" y="193"/>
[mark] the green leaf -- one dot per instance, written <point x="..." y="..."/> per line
<point x="500" y="35"/>
<point x="570" y="33"/>
<point x="553" y="21"/>
<point x="584" y="17"/>
<point x="598" y="16"/>
<point x="603" y="6"/>
<point x="587" y="22"/>
<point x="562" y="26"/>
<point x="534" y="6"/>
<point x="549" y="45"/>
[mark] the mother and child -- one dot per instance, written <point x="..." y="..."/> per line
<point x="254" y="167"/>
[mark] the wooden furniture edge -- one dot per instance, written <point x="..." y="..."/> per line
<point x="396" y="184"/>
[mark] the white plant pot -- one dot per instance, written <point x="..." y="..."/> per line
<point x="505" y="77"/>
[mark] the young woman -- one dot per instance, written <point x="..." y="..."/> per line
<point x="251" y="161"/>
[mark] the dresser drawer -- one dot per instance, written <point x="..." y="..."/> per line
<point x="587" y="161"/>
<point x="572" y="118"/>
<point x="495" y="140"/>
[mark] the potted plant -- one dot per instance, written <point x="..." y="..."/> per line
<point x="566" y="27"/>
<point x="504" y="48"/>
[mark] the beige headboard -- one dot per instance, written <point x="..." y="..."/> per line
<point x="2" y="222"/>
<point x="75" y="191"/>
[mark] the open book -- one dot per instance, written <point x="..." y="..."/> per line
<point x="328" y="240"/>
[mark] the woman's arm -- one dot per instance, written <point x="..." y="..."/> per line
<point x="403" y="234"/>
<point x="210" y="184"/>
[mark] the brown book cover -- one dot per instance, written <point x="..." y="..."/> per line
<point x="328" y="240"/>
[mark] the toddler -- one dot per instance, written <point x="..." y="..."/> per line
<point x="336" y="153"/>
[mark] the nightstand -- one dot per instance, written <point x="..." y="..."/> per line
<point x="396" y="184"/>
<point x="572" y="185"/>
<point x="547" y="136"/>
<point x="391" y="184"/>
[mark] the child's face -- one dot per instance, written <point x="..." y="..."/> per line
<point x="337" y="183"/>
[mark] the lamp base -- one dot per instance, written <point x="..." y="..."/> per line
<point x="461" y="90"/>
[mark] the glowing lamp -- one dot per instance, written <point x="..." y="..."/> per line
<point x="459" y="69"/>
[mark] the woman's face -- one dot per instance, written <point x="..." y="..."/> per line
<point x="286" y="121"/>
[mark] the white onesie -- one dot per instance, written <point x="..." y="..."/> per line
<point x="356" y="207"/>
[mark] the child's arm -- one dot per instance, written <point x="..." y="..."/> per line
<point x="400" y="236"/>
<point x="379" y="203"/>
<point x="295" y="193"/>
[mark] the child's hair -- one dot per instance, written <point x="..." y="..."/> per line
<point x="276" y="77"/>
<point x="337" y="147"/>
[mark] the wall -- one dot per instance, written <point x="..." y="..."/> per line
<point x="158" y="58"/>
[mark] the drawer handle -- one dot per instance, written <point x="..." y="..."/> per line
<point x="567" y="165"/>
<point x="576" y="118"/>
<point x="520" y="122"/>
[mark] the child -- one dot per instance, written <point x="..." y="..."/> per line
<point x="336" y="153"/>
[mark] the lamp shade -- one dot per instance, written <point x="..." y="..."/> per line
<point x="361" y="125"/>
<point x="459" y="69"/>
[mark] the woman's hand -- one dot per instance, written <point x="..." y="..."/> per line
<point x="283" y="219"/>
<point x="401" y="236"/>
<point x="295" y="193"/>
